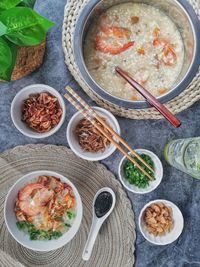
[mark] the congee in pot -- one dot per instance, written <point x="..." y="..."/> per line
<point x="142" y="40"/>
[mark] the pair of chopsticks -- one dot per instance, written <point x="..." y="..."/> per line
<point x="93" y="117"/>
<point x="149" y="97"/>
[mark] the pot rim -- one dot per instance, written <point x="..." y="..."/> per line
<point x="140" y="104"/>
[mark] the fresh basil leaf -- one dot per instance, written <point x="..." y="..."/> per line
<point x="8" y="53"/>
<point x="7" y="4"/>
<point x="28" y="3"/>
<point x="3" y="29"/>
<point x="25" y="27"/>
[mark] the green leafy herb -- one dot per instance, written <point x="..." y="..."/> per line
<point x="7" y="4"/>
<point x="24" y="225"/>
<point x="70" y="215"/>
<point x="36" y="234"/>
<point x="134" y="175"/>
<point x="56" y="235"/>
<point x="25" y="27"/>
<point x="8" y="53"/>
<point x="19" y="26"/>
<point x="67" y="225"/>
<point x="3" y="29"/>
<point x="28" y="3"/>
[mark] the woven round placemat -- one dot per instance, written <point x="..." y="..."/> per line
<point x="188" y="97"/>
<point x="114" y="246"/>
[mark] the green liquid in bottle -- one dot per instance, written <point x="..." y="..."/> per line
<point x="184" y="154"/>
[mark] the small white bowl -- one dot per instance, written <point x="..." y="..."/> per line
<point x="16" y="109"/>
<point x="23" y="238"/>
<point x="173" y="234"/>
<point x="73" y="140"/>
<point x="152" y="184"/>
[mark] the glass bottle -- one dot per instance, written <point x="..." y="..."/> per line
<point x="184" y="154"/>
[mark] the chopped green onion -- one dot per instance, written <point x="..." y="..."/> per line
<point x="70" y="215"/>
<point x="36" y="234"/>
<point x="136" y="176"/>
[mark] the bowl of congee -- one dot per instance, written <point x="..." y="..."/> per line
<point x="156" y="42"/>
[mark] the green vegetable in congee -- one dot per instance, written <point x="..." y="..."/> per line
<point x="134" y="175"/>
<point x="36" y="234"/>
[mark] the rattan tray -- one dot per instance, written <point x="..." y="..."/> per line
<point x="188" y="97"/>
<point x="115" y="243"/>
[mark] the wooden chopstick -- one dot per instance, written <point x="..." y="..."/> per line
<point x="100" y="129"/>
<point x="149" y="97"/>
<point x="94" y="114"/>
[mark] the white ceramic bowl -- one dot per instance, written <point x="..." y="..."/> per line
<point x="16" y="106"/>
<point x="152" y="184"/>
<point x="73" y="140"/>
<point x="173" y="234"/>
<point x="20" y="236"/>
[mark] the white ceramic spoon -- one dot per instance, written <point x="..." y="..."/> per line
<point x="104" y="196"/>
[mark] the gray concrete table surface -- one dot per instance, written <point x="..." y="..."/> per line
<point x="176" y="186"/>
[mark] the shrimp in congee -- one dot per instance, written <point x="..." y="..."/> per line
<point x="143" y="41"/>
<point x="45" y="208"/>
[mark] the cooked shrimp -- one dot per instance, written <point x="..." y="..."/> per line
<point x="43" y="180"/>
<point x="25" y="192"/>
<point x="168" y="56"/>
<point x="113" y="40"/>
<point x="42" y="196"/>
<point x="35" y="192"/>
<point x="43" y="204"/>
<point x="55" y="184"/>
<point x="32" y="197"/>
<point x="68" y="189"/>
<point x="29" y="209"/>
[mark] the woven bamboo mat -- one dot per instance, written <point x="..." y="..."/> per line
<point x="184" y="100"/>
<point x="115" y="243"/>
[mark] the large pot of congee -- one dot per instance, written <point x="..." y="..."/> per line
<point x="156" y="42"/>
